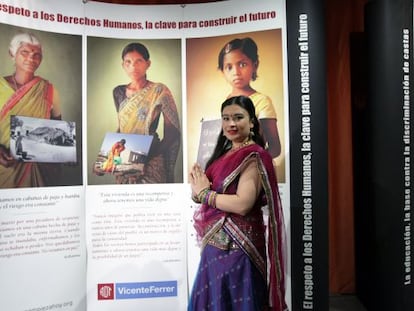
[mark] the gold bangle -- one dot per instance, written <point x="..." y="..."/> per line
<point x="212" y="199"/>
<point x="202" y="194"/>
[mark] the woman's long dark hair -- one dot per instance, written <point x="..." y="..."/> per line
<point x="223" y="144"/>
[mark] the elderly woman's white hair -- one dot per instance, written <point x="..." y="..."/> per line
<point x="20" y="39"/>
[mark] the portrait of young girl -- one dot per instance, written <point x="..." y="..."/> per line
<point x="248" y="64"/>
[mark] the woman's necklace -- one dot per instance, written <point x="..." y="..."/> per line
<point x="246" y="143"/>
<point x="16" y="85"/>
<point x="137" y="87"/>
<point x="130" y="90"/>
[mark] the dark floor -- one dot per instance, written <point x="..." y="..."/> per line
<point x="345" y="303"/>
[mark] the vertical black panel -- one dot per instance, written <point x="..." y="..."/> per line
<point x="385" y="277"/>
<point x="308" y="154"/>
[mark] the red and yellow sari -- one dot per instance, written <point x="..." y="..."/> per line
<point x="34" y="99"/>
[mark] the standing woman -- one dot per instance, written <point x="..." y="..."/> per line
<point x="238" y="60"/>
<point x="25" y="94"/>
<point x="240" y="268"/>
<point x="139" y="105"/>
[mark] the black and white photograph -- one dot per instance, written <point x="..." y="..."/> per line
<point x="42" y="140"/>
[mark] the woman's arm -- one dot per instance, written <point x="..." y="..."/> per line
<point x="6" y="159"/>
<point x="118" y="94"/>
<point x="271" y="136"/>
<point x="248" y="189"/>
<point x="56" y="113"/>
<point x="170" y="144"/>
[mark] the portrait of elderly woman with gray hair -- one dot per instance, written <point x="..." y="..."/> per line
<point x="22" y="93"/>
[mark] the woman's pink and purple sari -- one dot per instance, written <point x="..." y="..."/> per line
<point x="242" y="260"/>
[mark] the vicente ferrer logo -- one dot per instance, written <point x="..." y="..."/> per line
<point x="137" y="290"/>
<point x="106" y="291"/>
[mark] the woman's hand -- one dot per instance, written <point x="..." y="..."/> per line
<point x="198" y="179"/>
<point x="6" y="159"/>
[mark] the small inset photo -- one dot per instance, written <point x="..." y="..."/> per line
<point x="42" y="140"/>
<point x="123" y="154"/>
